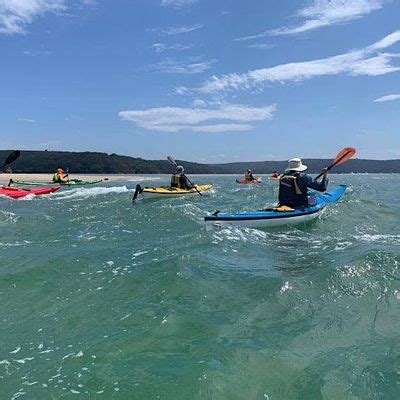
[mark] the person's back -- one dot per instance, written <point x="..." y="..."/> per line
<point x="294" y="185"/>
<point x="248" y="176"/>
<point x="179" y="180"/>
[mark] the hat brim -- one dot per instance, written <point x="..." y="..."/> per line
<point x="298" y="169"/>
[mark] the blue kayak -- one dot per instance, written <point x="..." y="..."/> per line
<point x="272" y="218"/>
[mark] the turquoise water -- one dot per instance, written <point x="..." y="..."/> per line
<point x="104" y="299"/>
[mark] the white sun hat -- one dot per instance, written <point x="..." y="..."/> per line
<point x="295" y="164"/>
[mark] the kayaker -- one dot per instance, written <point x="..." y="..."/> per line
<point x="248" y="176"/>
<point x="275" y="175"/>
<point x="59" y="176"/>
<point x="294" y="184"/>
<point x="179" y="179"/>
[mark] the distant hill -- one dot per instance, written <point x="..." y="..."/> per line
<point x="102" y="163"/>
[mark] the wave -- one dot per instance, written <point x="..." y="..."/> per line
<point x="85" y="193"/>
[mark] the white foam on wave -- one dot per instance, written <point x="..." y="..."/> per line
<point x="144" y="178"/>
<point x="379" y="238"/>
<point x="9" y="216"/>
<point x="85" y="193"/>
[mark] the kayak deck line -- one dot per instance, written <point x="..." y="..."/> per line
<point x="69" y="183"/>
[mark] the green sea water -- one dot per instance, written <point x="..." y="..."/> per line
<point x="102" y="299"/>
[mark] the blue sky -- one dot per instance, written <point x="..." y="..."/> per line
<point x="202" y="80"/>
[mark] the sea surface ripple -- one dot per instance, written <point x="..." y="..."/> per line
<point x="103" y="299"/>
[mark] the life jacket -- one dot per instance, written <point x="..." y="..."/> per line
<point x="289" y="192"/>
<point x="248" y="177"/>
<point x="176" y="181"/>
<point x="56" y="178"/>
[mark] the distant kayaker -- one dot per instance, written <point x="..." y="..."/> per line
<point x="179" y="179"/>
<point x="59" y="176"/>
<point x="248" y="176"/>
<point x="275" y="175"/>
<point x="294" y="184"/>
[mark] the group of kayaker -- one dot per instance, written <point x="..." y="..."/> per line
<point x="293" y="183"/>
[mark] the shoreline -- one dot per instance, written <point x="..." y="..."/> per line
<point x="46" y="178"/>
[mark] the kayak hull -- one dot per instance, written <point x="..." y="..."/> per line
<point x="167" y="192"/>
<point x="16" y="193"/>
<point x="273" y="219"/>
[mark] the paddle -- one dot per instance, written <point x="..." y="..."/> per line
<point x="173" y="162"/>
<point x="342" y="157"/>
<point x="10" y="159"/>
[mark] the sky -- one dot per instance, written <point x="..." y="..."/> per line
<point x="201" y="80"/>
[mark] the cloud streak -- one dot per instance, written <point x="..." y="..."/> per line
<point x="179" y="30"/>
<point x="178" y="3"/>
<point x="16" y="15"/>
<point x="227" y="118"/>
<point x="323" y="13"/>
<point x="161" y="47"/>
<point x="389" y="97"/>
<point x="172" y="66"/>
<point x="367" y="61"/>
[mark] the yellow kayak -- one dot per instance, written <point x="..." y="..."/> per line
<point x="166" y="192"/>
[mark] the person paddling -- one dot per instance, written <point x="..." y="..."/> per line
<point x="59" y="177"/>
<point x="179" y="179"/>
<point x="294" y="184"/>
<point x="275" y="175"/>
<point x="248" y="176"/>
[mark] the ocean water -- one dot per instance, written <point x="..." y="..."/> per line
<point x="103" y="299"/>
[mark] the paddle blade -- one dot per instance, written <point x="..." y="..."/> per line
<point x="12" y="157"/>
<point x="172" y="161"/>
<point x="344" y="155"/>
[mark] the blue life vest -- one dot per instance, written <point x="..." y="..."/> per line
<point x="290" y="193"/>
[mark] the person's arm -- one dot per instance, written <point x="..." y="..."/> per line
<point x="321" y="185"/>
<point x="185" y="183"/>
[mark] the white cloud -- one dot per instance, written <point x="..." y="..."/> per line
<point x="178" y="30"/>
<point x="227" y="118"/>
<point x="16" y="14"/>
<point x="261" y="46"/>
<point x="321" y="13"/>
<point x="178" y="3"/>
<point x="366" y="61"/>
<point x="389" y="97"/>
<point x="28" y="120"/>
<point x="161" y="47"/>
<point x="387" y="41"/>
<point x="172" y="66"/>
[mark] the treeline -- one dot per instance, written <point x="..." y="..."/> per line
<point x="102" y="163"/>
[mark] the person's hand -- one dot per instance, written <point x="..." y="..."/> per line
<point x="325" y="172"/>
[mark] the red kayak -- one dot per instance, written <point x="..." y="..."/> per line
<point x="16" y="193"/>
<point x="244" y="182"/>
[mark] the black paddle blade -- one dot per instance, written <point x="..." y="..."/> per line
<point x="12" y="157"/>
<point x="137" y="191"/>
